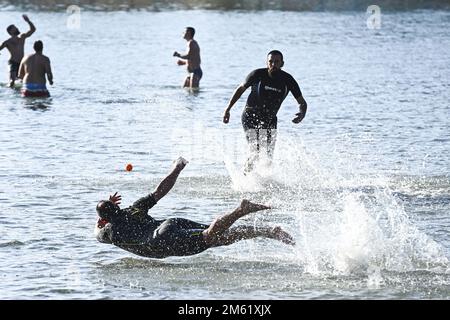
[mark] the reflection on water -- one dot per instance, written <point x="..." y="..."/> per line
<point x="37" y="104"/>
<point x="290" y="5"/>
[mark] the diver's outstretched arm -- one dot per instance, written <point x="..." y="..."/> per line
<point x="168" y="182"/>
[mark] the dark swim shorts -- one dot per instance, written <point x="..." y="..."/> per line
<point x="14" y="68"/>
<point x="179" y="237"/>
<point x="34" y="90"/>
<point x="198" y="72"/>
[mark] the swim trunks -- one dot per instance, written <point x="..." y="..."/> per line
<point x="14" y="68"/>
<point x="198" y="72"/>
<point x="34" y="90"/>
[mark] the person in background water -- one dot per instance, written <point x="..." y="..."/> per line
<point x="15" y="45"/>
<point x="192" y="59"/>
<point x="270" y="86"/>
<point x="32" y="71"/>
<point x="132" y="229"/>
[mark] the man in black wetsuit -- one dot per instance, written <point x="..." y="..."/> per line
<point x="132" y="229"/>
<point x="270" y="87"/>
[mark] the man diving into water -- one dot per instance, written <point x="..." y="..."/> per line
<point x="132" y="229"/>
<point x="270" y="86"/>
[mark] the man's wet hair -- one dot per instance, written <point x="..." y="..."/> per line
<point x="191" y="30"/>
<point x="9" y="29"/>
<point x="38" y="46"/>
<point x="276" y="52"/>
<point x="106" y="209"/>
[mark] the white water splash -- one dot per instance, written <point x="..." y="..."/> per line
<point x="344" y="223"/>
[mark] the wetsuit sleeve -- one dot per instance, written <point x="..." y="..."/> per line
<point x="145" y="203"/>
<point x="251" y="79"/>
<point x="293" y="87"/>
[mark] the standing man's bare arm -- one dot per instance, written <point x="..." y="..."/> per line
<point x="192" y="48"/>
<point x="183" y="56"/>
<point x="22" y="69"/>
<point x="48" y="71"/>
<point x="32" y="27"/>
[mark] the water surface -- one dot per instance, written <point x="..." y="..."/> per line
<point x="362" y="183"/>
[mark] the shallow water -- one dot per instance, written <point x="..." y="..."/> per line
<point x="362" y="183"/>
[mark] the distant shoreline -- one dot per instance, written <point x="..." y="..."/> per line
<point x="244" y="5"/>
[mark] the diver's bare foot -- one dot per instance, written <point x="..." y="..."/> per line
<point x="283" y="236"/>
<point x="248" y="207"/>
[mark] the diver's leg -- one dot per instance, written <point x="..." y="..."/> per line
<point x="235" y="234"/>
<point x="222" y="223"/>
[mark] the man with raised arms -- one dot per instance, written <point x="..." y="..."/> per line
<point x="15" y="45"/>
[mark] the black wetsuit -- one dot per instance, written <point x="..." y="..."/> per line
<point x="266" y="97"/>
<point x="264" y="102"/>
<point x="134" y="230"/>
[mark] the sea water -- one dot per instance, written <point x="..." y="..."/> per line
<point x="362" y="183"/>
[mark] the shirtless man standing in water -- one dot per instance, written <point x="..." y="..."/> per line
<point x="15" y="46"/>
<point x="32" y="71"/>
<point x="192" y="58"/>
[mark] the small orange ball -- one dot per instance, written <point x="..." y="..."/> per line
<point x="129" y="167"/>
